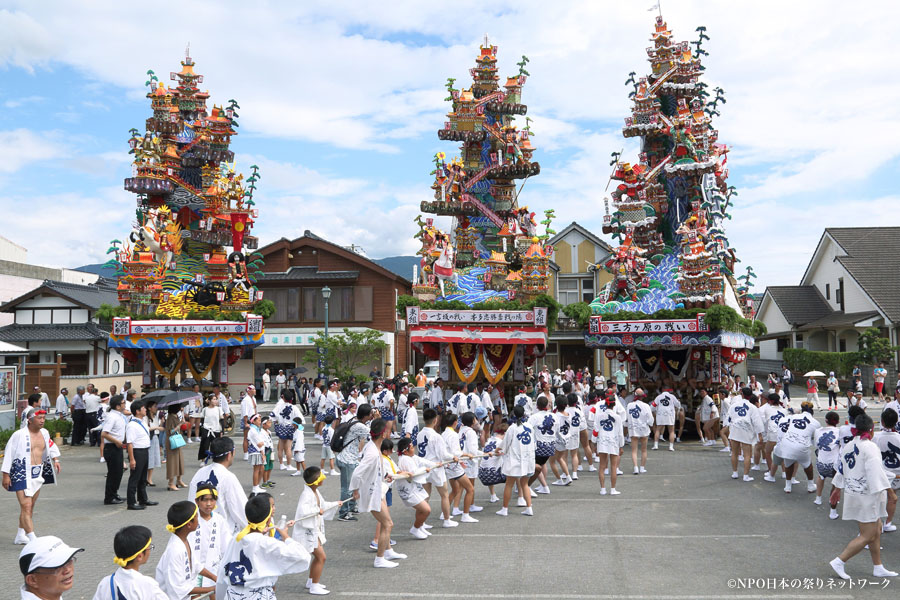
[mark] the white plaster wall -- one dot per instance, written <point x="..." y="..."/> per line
<point x="826" y="270"/>
<point x="768" y="350"/>
<point x="772" y="318"/>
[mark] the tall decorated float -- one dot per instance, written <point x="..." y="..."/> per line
<point x="186" y="273"/>
<point x="674" y="310"/>
<point x="480" y="303"/>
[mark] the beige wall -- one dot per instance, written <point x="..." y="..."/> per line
<point x="586" y="253"/>
<point x="563" y="257"/>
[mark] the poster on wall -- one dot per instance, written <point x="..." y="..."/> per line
<point x="444" y="365"/>
<point x="715" y="364"/>
<point x="9" y="389"/>
<point x="223" y="367"/>
<point x="519" y="364"/>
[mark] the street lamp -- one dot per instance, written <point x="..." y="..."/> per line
<point x="326" y="294"/>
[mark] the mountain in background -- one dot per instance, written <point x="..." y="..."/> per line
<point x="401" y="265"/>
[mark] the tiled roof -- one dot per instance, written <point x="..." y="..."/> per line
<point x="799" y="304"/>
<point x="89" y="296"/>
<point x="873" y="260"/>
<point x="308" y="273"/>
<point x="839" y="319"/>
<point x="52" y="333"/>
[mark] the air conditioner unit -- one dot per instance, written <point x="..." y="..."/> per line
<point x="401" y="325"/>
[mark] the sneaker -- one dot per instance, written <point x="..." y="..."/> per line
<point x="521" y="502"/>
<point x="383" y="563"/>
<point x="671" y="448"/>
<point x="614" y="492"/>
<point x="543" y="490"/>
<point x="769" y="478"/>
<point x="747" y="478"/>
<point x="655" y="446"/>
<point x="888" y="527"/>
<point x="643" y="470"/>
<point x="726" y="449"/>
<point x="755" y="468"/>
<point x="426" y="526"/>
<point x="880" y="571"/>
<point x="334" y="472"/>
<point x="787" y="487"/>
<point x="619" y="472"/>
<point x="283" y="467"/>
<point x="103" y="460"/>
<point x="347" y="517"/>
<point x="448" y="523"/>
<point x="291" y="468"/>
<point x="838" y="565"/>
<point x="602" y="491"/>
<point x="503" y="512"/>
<point x="466" y="518"/>
<point x="678" y="440"/>
<point x="606" y="471"/>
<point x="475" y="508"/>
<point x="734" y="475"/>
<point x="833" y="514"/>
<point x="532" y="492"/>
<point x="592" y="468"/>
<point x="794" y="481"/>
<point x="810" y="487"/>
<point x="308" y="582"/>
<point x="528" y="512"/>
<point x="317" y="589"/>
<point x="636" y="471"/>
<point x="21" y="538"/>
<point x="818" y="500"/>
<point x="456" y="512"/>
<point x="493" y="499"/>
<point x="418" y="533"/>
<point x="580" y="468"/>
<point x="297" y="473"/>
<point x="391" y="555"/>
<point x="559" y="482"/>
<point x="574" y="477"/>
<point x="373" y="545"/>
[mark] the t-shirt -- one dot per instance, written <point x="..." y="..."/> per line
<point x="621" y="377"/>
<point x="91" y="403"/>
<point x="879" y="375"/>
<point x="350" y="454"/>
<point x="211" y="416"/>
<point x="812" y="386"/>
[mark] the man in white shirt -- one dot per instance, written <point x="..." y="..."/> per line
<point x="113" y="434"/>
<point x="280" y="381"/>
<point x="437" y="396"/>
<point x="137" y="439"/>
<point x="267" y="385"/>
<point x="223" y="400"/>
<point x="91" y="408"/>
<point x="248" y="409"/>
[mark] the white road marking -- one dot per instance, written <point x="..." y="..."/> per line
<point x="374" y="594"/>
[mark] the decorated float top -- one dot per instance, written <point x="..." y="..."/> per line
<point x="669" y="206"/>
<point x="187" y="272"/>
<point x="493" y="249"/>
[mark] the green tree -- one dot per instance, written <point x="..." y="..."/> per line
<point x="347" y="352"/>
<point x="873" y="348"/>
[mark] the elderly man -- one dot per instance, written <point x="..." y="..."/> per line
<point x="79" y="418"/>
<point x="48" y="565"/>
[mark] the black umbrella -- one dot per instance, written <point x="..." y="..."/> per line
<point x="190" y="382"/>
<point x="166" y="398"/>
<point x="298" y="371"/>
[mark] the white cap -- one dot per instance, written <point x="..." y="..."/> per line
<point x="47" y="551"/>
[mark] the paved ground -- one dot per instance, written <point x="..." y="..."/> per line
<point x="684" y="530"/>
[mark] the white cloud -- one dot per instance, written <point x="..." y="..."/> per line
<point x="21" y="147"/>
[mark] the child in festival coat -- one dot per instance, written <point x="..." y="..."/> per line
<point x="518" y="461"/>
<point x="132" y="548"/>
<point x="178" y="567"/>
<point x="298" y="449"/>
<point x="309" y="526"/>
<point x="208" y="541"/>
<point x="254" y="559"/>
<point x="410" y="485"/>
<point x="489" y="471"/>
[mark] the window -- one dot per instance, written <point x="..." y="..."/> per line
<point x="839" y="293"/>
<point x="843" y="345"/>
<point x="340" y="305"/>
<point x="782" y="344"/>
<point x="287" y="304"/>
<point x="828" y="291"/>
<point x="587" y="290"/>
<point x="568" y="291"/>
<point x="313" y="305"/>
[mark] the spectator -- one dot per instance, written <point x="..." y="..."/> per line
<point x="48" y="565"/>
<point x="79" y="418"/>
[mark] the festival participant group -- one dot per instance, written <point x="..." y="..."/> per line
<point x="380" y="437"/>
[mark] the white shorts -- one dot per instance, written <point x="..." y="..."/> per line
<point x="665" y="419"/>
<point x="804" y="461"/>
<point x="34" y="482"/>
<point x="437" y="477"/>
<point x="573" y="442"/>
<point x="300" y="456"/>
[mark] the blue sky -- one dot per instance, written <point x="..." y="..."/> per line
<point x="340" y="105"/>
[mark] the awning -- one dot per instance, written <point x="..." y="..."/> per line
<point x="478" y="335"/>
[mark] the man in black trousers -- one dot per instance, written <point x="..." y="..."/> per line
<point x="114" y="434"/>
<point x="79" y="419"/>
<point x="137" y="440"/>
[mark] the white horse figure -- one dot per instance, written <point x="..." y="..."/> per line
<point x="444" y="267"/>
<point x="149" y="236"/>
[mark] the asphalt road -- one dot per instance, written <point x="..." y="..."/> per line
<point x="684" y="530"/>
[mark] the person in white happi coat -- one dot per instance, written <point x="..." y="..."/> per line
<point x="286" y="412"/>
<point x="640" y="420"/>
<point x="178" y="567"/>
<point x="309" y="525"/>
<point x="794" y="447"/>
<point x="518" y="460"/>
<point x="608" y="439"/>
<point x="468" y="444"/>
<point x="248" y="409"/>
<point x="432" y="447"/>
<point x="208" y="541"/>
<point x="437" y="395"/>
<point x="411" y="418"/>
<point x="30" y="460"/>
<point x="410" y="485"/>
<point x="524" y="400"/>
<point x="366" y="486"/>
<point x="255" y="559"/>
<point x="454" y="401"/>
<point x="456" y="473"/>
<point x="745" y="427"/>
<point x="773" y="415"/>
<point x="867" y="486"/>
<point x="132" y="548"/>
<point x="667" y="407"/>
<point x="544" y="425"/>
<point x="230" y="496"/>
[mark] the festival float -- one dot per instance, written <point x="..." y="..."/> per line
<point x="674" y="306"/>
<point x="186" y="274"/>
<point x="480" y="303"/>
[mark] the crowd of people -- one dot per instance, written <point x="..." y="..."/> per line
<point x="447" y="441"/>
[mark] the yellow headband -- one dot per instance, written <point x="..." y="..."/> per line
<point x="172" y="529"/>
<point x="318" y="480"/>
<point x="124" y="561"/>
<point x="205" y="491"/>
<point x="260" y="527"/>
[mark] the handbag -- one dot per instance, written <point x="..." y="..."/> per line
<point x="176" y="441"/>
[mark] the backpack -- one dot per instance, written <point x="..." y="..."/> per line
<point x="337" y="440"/>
